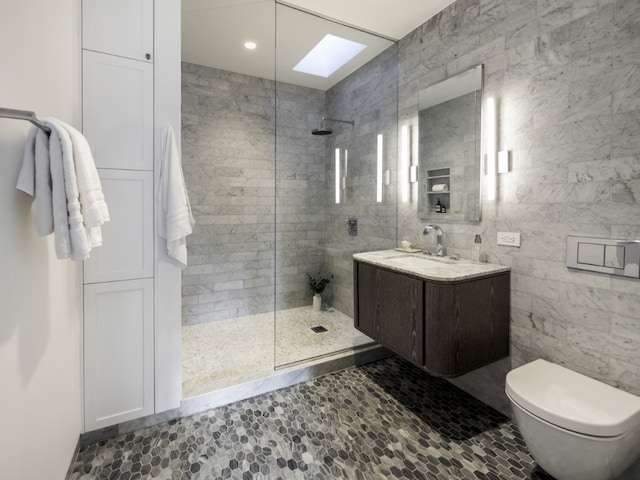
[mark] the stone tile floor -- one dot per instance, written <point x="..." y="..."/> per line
<point x="382" y="420"/>
<point x="215" y="356"/>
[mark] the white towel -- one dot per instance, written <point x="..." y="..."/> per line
<point x="175" y="221"/>
<point x="440" y="187"/>
<point x="59" y="195"/>
<point x="70" y="232"/>
<point x="94" y="208"/>
<point x="35" y="179"/>
<point x="27" y="176"/>
<point x="58" y="169"/>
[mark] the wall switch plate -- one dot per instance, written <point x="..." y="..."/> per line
<point x="510" y="239"/>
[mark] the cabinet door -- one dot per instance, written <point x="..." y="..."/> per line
<point x="117" y="102"/>
<point x="127" y="239"/>
<point x="118" y="27"/>
<point x="466" y="324"/>
<point x="391" y="311"/>
<point x="118" y="355"/>
<point x="366" y="316"/>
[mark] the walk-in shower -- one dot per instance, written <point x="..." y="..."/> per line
<point x="262" y="189"/>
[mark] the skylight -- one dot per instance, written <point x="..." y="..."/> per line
<point x="329" y="55"/>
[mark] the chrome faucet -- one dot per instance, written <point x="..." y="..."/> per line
<point x="439" y="248"/>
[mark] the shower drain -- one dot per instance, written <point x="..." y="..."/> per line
<point x="319" y="329"/>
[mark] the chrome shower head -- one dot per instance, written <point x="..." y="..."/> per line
<point x="321" y="131"/>
<point x="327" y="131"/>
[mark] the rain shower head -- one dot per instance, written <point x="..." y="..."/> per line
<point x="321" y="131"/>
<point x="327" y="131"/>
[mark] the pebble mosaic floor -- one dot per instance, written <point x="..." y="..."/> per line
<point x="214" y="356"/>
<point x="382" y="420"/>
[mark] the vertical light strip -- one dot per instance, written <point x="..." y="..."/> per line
<point x="379" y="169"/>
<point x="491" y="149"/>
<point x="404" y="164"/>
<point x="345" y="172"/>
<point x="338" y="175"/>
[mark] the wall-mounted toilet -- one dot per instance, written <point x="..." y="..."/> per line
<point x="575" y="427"/>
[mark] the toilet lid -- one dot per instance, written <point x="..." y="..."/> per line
<point x="573" y="401"/>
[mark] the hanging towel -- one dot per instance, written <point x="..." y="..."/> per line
<point x="58" y="169"/>
<point x="70" y="232"/>
<point x="35" y="179"/>
<point x="93" y="206"/>
<point x="175" y="221"/>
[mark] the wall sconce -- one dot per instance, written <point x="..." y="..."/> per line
<point x="338" y="175"/>
<point x="379" y="155"/>
<point x="491" y="149"/>
<point x="343" y="183"/>
<point x="504" y="161"/>
<point x="413" y="173"/>
<point x="404" y="164"/>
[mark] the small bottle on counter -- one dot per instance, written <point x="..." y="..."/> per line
<point x="475" y="248"/>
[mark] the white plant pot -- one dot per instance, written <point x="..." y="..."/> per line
<point x="317" y="303"/>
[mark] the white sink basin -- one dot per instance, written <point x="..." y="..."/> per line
<point x="414" y="259"/>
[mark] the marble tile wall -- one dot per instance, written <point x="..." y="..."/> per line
<point x="565" y="78"/>
<point x="301" y="196"/>
<point x="228" y="154"/>
<point x="369" y="97"/>
<point x="565" y="75"/>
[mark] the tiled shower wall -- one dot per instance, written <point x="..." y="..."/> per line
<point x="229" y="148"/>
<point x="369" y="97"/>
<point x="566" y="78"/>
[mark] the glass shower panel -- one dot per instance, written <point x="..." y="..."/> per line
<point x="228" y="155"/>
<point x="327" y="201"/>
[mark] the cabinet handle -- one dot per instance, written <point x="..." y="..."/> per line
<point x="148" y="56"/>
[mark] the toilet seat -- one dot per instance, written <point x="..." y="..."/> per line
<point x="573" y="401"/>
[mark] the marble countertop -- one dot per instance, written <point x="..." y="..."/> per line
<point x="428" y="267"/>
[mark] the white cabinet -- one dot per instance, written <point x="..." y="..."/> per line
<point x="118" y="362"/>
<point x="117" y="106"/>
<point x="118" y="121"/>
<point x="127" y="240"/>
<point x="118" y="27"/>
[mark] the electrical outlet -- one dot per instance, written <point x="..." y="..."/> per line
<point x="510" y="239"/>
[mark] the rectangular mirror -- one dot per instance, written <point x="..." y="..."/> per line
<point x="449" y="136"/>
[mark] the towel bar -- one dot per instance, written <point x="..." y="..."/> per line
<point x="24" y="115"/>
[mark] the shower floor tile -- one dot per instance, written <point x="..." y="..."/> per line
<point x="386" y="419"/>
<point x="219" y="354"/>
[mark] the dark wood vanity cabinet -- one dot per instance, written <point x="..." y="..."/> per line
<point x="390" y="309"/>
<point x="447" y="328"/>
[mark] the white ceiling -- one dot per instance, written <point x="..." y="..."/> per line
<point x="391" y="18"/>
<point x="214" y="32"/>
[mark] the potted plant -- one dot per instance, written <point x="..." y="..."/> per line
<point x="318" y="283"/>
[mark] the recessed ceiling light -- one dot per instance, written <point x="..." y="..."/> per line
<point x="329" y="55"/>
<point x="250" y="45"/>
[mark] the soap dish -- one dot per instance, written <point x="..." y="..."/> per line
<point x="408" y="250"/>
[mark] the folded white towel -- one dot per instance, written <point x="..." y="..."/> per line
<point x="439" y="187"/>
<point x="78" y="247"/>
<point x="58" y="169"/>
<point x="58" y="194"/>
<point x="27" y="176"/>
<point x="35" y="179"/>
<point x="94" y="208"/>
<point x="175" y="221"/>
